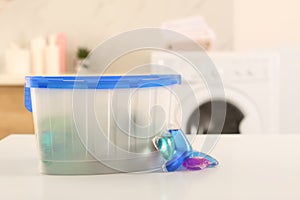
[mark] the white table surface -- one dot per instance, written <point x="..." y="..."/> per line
<point x="251" y="167"/>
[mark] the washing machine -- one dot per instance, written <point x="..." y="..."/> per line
<point x="251" y="86"/>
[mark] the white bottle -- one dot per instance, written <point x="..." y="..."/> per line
<point x="38" y="55"/>
<point x="52" y="63"/>
<point x="17" y="60"/>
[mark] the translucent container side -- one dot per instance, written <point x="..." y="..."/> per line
<point x="54" y="126"/>
<point x="76" y="129"/>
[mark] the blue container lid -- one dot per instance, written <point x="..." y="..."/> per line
<point x="101" y="82"/>
<point x="97" y="82"/>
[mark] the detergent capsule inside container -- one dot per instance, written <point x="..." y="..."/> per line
<point x="100" y="124"/>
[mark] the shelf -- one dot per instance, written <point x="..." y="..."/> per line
<point x="19" y="80"/>
<point x="11" y="80"/>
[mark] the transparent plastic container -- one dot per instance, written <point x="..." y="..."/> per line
<point x="100" y="124"/>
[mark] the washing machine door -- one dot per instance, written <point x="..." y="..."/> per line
<point x="242" y="116"/>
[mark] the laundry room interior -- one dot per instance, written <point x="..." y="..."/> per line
<point x="253" y="46"/>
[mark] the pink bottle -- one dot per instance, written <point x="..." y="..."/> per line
<point x="61" y="43"/>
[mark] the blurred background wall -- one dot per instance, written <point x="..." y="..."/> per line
<point x="86" y="23"/>
<point x="266" y="24"/>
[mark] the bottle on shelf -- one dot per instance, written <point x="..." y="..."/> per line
<point x="38" y="55"/>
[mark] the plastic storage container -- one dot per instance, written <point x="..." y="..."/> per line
<point x="99" y="125"/>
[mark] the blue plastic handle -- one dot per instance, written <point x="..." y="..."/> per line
<point x="27" y="99"/>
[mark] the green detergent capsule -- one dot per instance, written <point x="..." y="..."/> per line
<point x="166" y="146"/>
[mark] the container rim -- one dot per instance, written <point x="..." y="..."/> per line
<point x="102" y="82"/>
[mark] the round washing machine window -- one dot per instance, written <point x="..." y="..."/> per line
<point x="242" y="116"/>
